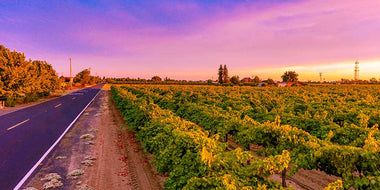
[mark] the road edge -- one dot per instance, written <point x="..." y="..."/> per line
<point x="42" y="100"/>
<point x="22" y="181"/>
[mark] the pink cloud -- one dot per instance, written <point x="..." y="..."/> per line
<point x="249" y="37"/>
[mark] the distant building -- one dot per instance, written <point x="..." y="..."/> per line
<point x="246" y="80"/>
<point x="2" y="102"/>
<point x="301" y="84"/>
<point x="285" y="84"/>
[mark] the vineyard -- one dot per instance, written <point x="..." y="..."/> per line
<point x="330" y="128"/>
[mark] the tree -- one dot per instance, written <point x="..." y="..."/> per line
<point x="271" y="82"/>
<point x="156" y="79"/>
<point x="167" y="79"/>
<point x="256" y="79"/>
<point x="83" y="77"/>
<point x="290" y="76"/>
<point x="24" y="79"/>
<point x="235" y="80"/>
<point x="373" y="80"/>
<point x="209" y="81"/>
<point x="220" y="74"/>
<point x="226" y="79"/>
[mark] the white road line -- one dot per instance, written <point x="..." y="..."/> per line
<point x="58" y="105"/>
<point x="18" y="186"/>
<point x="14" y="126"/>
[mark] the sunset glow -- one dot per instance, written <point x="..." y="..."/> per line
<point x="190" y="39"/>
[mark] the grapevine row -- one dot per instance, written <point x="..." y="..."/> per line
<point x="187" y="154"/>
<point x="307" y="151"/>
<point x="317" y="119"/>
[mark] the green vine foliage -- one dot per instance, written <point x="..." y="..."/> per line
<point x="188" y="155"/>
<point x="323" y="127"/>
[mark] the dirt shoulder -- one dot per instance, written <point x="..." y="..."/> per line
<point x="103" y="155"/>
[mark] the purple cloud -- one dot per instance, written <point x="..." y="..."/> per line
<point x="188" y="40"/>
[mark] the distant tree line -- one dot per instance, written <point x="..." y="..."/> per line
<point x="224" y="79"/>
<point x="153" y="80"/>
<point x="348" y="81"/>
<point x="84" y="77"/>
<point x="24" y="80"/>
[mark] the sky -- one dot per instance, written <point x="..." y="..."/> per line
<point x="189" y="39"/>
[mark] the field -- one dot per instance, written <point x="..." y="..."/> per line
<point x="329" y="128"/>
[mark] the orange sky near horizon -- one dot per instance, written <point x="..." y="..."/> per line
<point x="330" y="72"/>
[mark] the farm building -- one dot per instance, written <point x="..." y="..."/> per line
<point x="246" y="80"/>
<point x="2" y="102"/>
<point x="285" y="84"/>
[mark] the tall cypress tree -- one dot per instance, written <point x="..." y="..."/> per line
<point x="226" y="79"/>
<point x="220" y="74"/>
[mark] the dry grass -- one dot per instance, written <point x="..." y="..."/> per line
<point x="89" y="143"/>
<point x="51" y="176"/>
<point x="54" y="183"/>
<point x="89" y="157"/>
<point x="86" y="187"/>
<point x="87" y="136"/>
<point x="30" y="188"/>
<point x="60" y="157"/>
<point x="107" y="87"/>
<point x="76" y="172"/>
<point x="87" y="162"/>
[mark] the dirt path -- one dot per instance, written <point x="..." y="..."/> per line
<point x="107" y="156"/>
<point x="135" y="170"/>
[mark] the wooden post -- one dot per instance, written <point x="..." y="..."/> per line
<point x="283" y="175"/>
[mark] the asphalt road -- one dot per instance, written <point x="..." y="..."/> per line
<point x="27" y="134"/>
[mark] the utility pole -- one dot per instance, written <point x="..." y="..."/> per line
<point x="356" y="71"/>
<point x="71" y="75"/>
